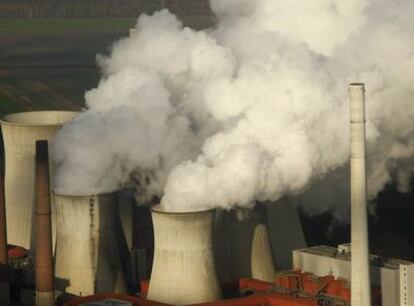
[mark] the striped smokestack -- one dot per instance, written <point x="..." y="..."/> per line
<point x="44" y="252"/>
<point x="360" y="280"/>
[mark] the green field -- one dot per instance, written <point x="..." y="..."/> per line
<point x="50" y="63"/>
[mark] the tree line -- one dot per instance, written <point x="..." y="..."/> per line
<point x="98" y="8"/>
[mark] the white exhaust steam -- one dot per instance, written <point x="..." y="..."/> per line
<point x="252" y="109"/>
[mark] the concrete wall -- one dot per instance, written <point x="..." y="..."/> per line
<point x="396" y="280"/>
<point x="407" y="285"/>
<point x="390" y="287"/>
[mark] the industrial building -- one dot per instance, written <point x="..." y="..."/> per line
<point x="68" y="249"/>
<point x="395" y="277"/>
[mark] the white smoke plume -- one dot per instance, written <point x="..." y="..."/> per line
<point x="253" y="109"/>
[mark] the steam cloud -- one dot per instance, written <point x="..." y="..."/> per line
<point x="251" y="110"/>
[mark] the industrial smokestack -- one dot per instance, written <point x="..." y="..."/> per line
<point x="87" y="248"/>
<point x="360" y="279"/>
<point x="183" y="271"/>
<point x="44" y="246"/>
<point x="20" y="132"/>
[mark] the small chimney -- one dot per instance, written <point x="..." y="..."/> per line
<point x="44" y="246"/>
<point x="360" y="278"/>
<point x="183" y="271"/>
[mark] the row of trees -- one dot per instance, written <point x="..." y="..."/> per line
<point x="98" y="8"/>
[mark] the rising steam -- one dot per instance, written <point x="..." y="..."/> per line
<point x="251" y="110"/>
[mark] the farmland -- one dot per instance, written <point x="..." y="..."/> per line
<point x="50" y="63"/>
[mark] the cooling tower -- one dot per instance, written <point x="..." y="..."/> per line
<point x="3" y="231"/>
<point x="20" y="132"/>
<point x="242" y="246"/>
<point x="126" y="211"/>
<point x="285" y="231"/>
<point x="87" y="257"/>
<point x="360" y="281"/>
<point x="262" y="265"/>
<point x="183" y="271"/>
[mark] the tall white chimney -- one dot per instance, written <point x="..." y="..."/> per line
<point x="20" y="133"/>
<point x="183" y="271"/>
<point x="87" y="257"/>
<point x="360" y="279"/>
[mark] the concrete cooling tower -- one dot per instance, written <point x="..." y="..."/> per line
<point x="243" y="246"/>
<point x="262" y="264"/>
<point x="87" y="257"/>
<point x="3" y="238"/>
<point x="126" y="211"/>
<point x="183" y="271"/>
<point x="20" y="132"/>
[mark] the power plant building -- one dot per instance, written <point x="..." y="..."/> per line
<point x="395" y="277"/>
